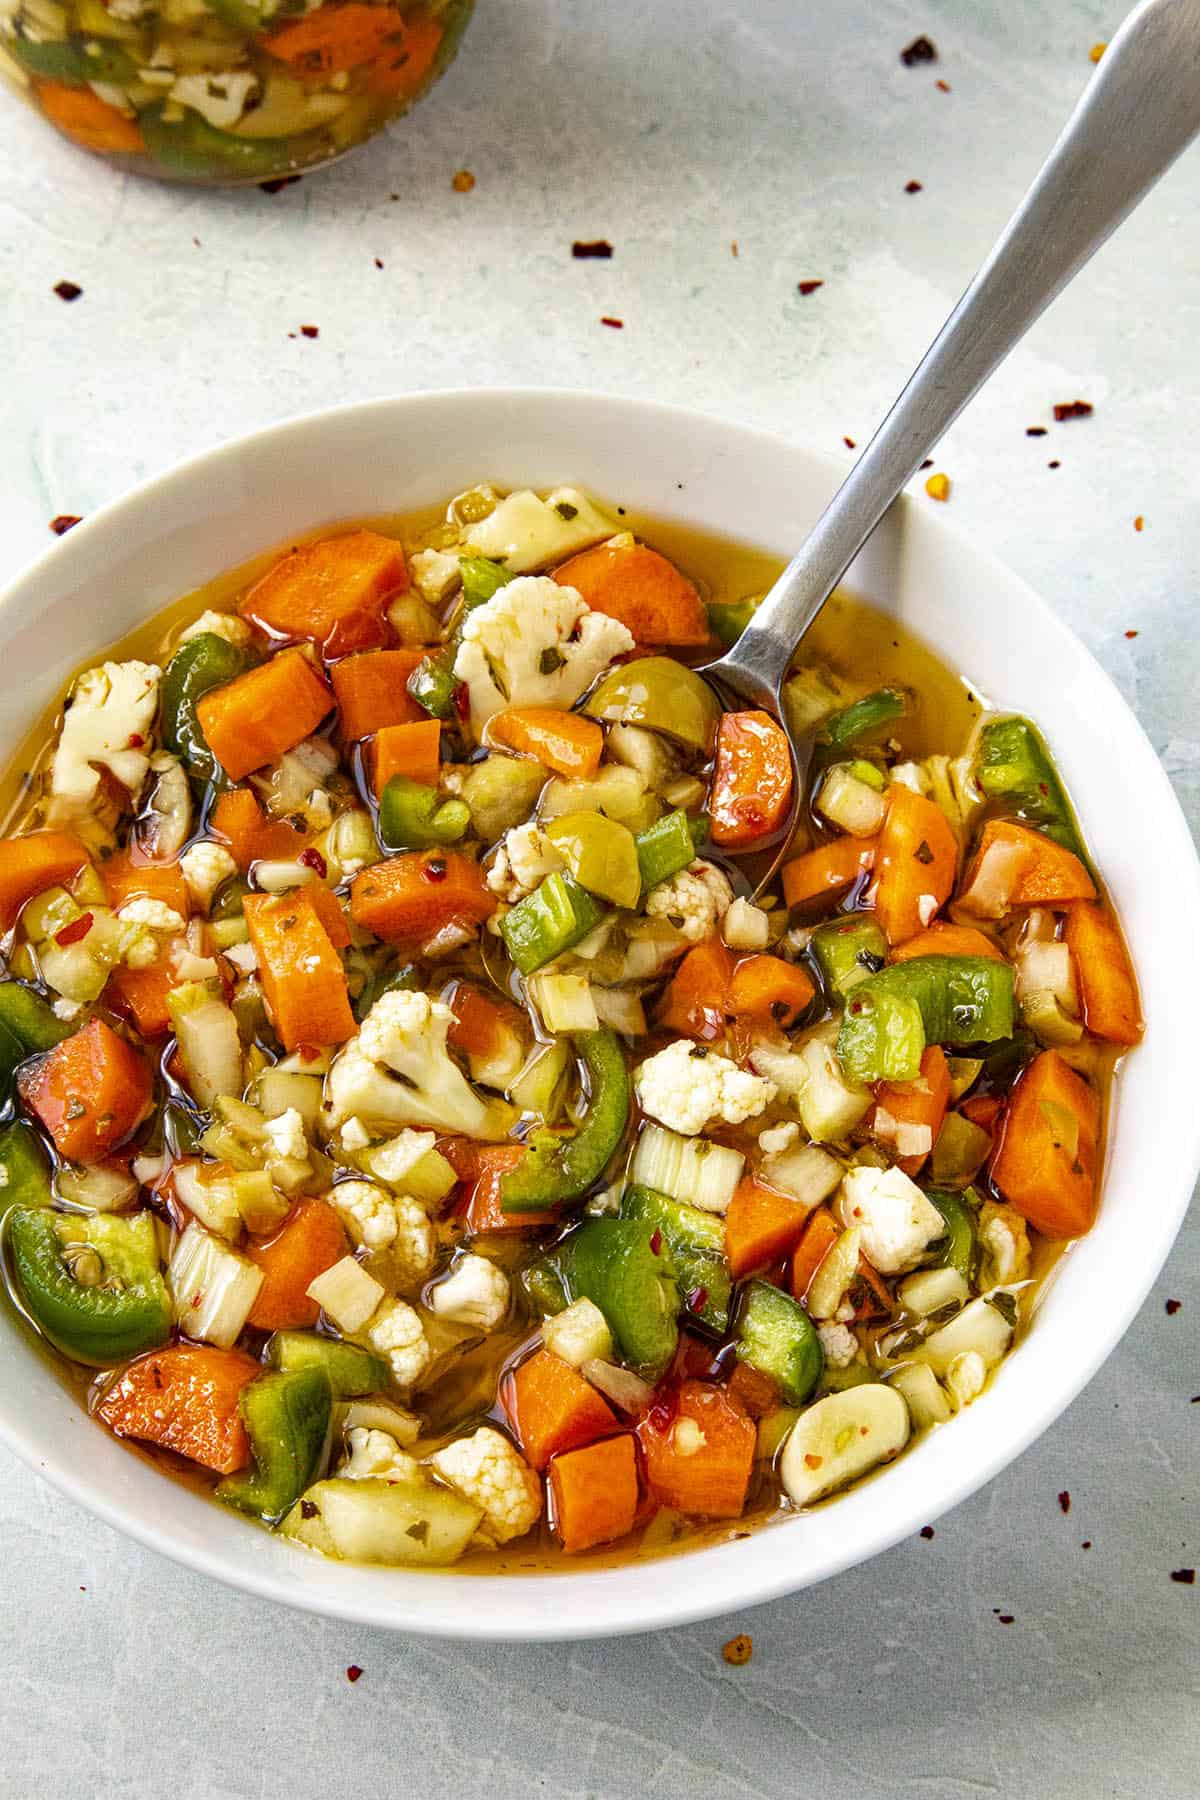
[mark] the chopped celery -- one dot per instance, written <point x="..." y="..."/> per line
<point x="550" y="920"/>
<point x="564" y="1002"/>
<point x="693" y="1169"/>
<point x="805" y="1173"/>
<point x="212" y="1287"/>
<point x="209" y="1046"/>
<point x="891" y="1017"/>
<point x="850" y="803"/>
<point x="777" y="1337"/>
<point x="829" y="1100"/>
<point x="847" y="951"/>
<point x="413" y="816"/>
<point x="1014" y="768"/>
<point x="541" y="1086"/>
<point x="865" y="716"/>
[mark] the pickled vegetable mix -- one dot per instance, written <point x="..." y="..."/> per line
<point x="423" y="1129"/>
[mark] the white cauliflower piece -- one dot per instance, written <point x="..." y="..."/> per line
<point x="897" y="1222"/>
<point x="109" y="720"/>
<point x="525" y="532"/>
<point x="1004" y="1239"/>
<point x="392" y="1160"/>
<point x="534" y="643"/>
<point x="475" y="1293"/>
<point x="376" y="1456"/>
<point x="522" y="862"/>
<point x="695" y="901"/>
<point x="746" y="927"/>
<point x="286" y="1136"/>
<point x="966" y="1378"/>
<point x="380" y="1221"/>
<point x="355" y="1135"/>
<point x="838" y="1343"/>
<point x="778" y="1138"/>
<point x="215" y="624"/>
<point x="155" y="915"/>
<point x="435" y="574"/>
<point x="220" y="96"/>
<point x="205" y="867"/>
<point x="397" y="1333"/>
<point x="488" y="1470"/>
<point x="579" y="1334"/>
<point x="398" y="1071"/>
<point x="687" y="1087"/>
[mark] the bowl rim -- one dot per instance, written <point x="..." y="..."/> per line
<point x="652" y="1605"/>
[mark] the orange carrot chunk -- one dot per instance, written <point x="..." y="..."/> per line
<point x="564" y="741"/>
<point x="90" y="1092"/>
<point x="697" y="995"/>
<point x="1107" y="983"/>
<point x="1015" y="866"/>
<point x="333" y="592"/>
<point x="185" y="1399"/>
<point x="328" y="909"/>
<point x="31" y="864"/>
<point x="482" y="1025"/>
<point x="1046" y="1162"/>
<point x="821" y="873"/>
<point x="411" y="896"/>
<point x="904" y="1108"/>
<point x="820" y="1235"/>
<point x="303" y="981"/>
<point x="915" y="864"/>
<point x="553" y="1408"/>
<point x="752" y="779"/>
<point x="766" y="987"/>
<point x="407" y="58"/>
<point x="637" y="585"/>
<point x="127" y="877"/>
<point x="262" y="713"/>
<point x="413" y="750"/>
<point x="594" y="1493"/>
<point x="484" y="1216"/>
<point x="761" y="1225"/>
<point x="89" y="120"/>
<point x="372" y="691"/>
<point x="944" y="939"/>
<point x="140" y="996"/>
<point x="699" y="1453"/>
<point x="310" y="1240"/>
<point x="239" y="821"/>
<point x="340" y="38"/>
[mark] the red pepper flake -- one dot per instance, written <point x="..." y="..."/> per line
<point x="463" y="182"/>
<point x="310" y="331"/>
<point x="613" y="324"/>
<point x="592" y="250"/>
<point x="136" y="740"/>
<point x="1172" y="1306"/>
<point x="312" y="859"/>
<point x="850" y="443"/>
<point x="1054" y="465"/>
<point x="309" y="1509"/>
<point x="435" y="869"/>
<point x="1006" y="1618"/>
<point x="75" y="932"/>
<point x="739" y="1649"/>
<point x="62" y="522"/>
<point x="926" y="1531"/>
<point x="942" y="86"/>
<point x="808" y="287"/>
<point x="462" y="700"/>
<point x="913" y="187"/>
<point x="921" y="50"/>
<point x="353" y="1672"/>
<point x="656" y="1242"/>
<point x="1072" y="409"/>
<point x="1131" y="634"/>
<point x="733" y="248"/>
<point x="928" y="463"/>
<point x="698" y="1298"/>
<point x="1035" y="431"/>
<point x="1138" y="523"/>
<point x="67" y="290"/>
<point x="1086" y="1544"/>
<point x="308" y="1052"/>
<point x="379" y="262"/>
<point x="1064" y="1500"/>
<point x="1185" y="1577"/>
<point x="278" y="182"/>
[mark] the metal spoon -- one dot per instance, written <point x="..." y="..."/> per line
<point x="1140" y="110"/>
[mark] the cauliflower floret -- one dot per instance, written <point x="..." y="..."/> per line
<point x="488" y="1470"/>
<point x="534" y="643"/>
<point x="397" y="1333"/>
<point x="404" y="1035"/>
<point x="109" y="720"/>
<point x="221" y="96"/>
<point x="382" y="1221"/>
<point x="897" y="1222"/>
<point x="376" y="1456"/>
<point x="1005" y="1241"/>
<point x="522" y="862"/>
<point x="839" y="1344"/>
<point x="687" y="1087"/>
<point x="746" y="927"/>
<point x="579" y="1334"/>
<point x="205" y="867"/>
<point x="355" y="1135"/>
<point x="475" y="1293"/>
<point x="778" y="1138"/>
<point x="695" y="901"/>
<point x="155" y="915"/>
<point x="286" y="1136"/>
<point x="435" y="574"/>
<point x="215" y="624"/>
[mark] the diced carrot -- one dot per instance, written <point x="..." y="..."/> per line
<point x="921" y="1103"/>
<point x="413" y="750"/>
<point x="697" y="995"/>
<point x="553" y="1408"/>
<point x="310" y="1240"/>
<point x="90" y="121"/>
<point x="31" y="864"/>
<point x="462" y="1153"/>
<point x="637" y="585"/>
<point x="820" y="1235"/>
<point x="372" y="691"/>
<point x="915" y="864"/>
<point x="1045" y="1164"/>
<point x="140" y="996"/>
<point x="564" y="741"/>
<point x="240" y="822"/>
<point x="1107" y="984"/>
<point x="410" y="897"/>
<point x="983" y="1110"/>
<point x="482" y="1023"/>
<point x="90" y="1092"/>
<point x="484" y="1216"/>
<point x="342" y="38"/>
<point x="751" y="1391"/>
<point x="821" y="873"/>
<point x="303" y="981"/>
<point x="407" y="59"/>
<point x="259" y="715"/>
<point x="328" y="909"/>
<point x="185" y="1399"/>
<point x="1015" y="866"/>
<point x="128" y="878"/>
<point x="944" y="939"/>
<point x="752" y="779"/>
<point x="760" y="1226"/>
<point x="707" y="1478"/>
<point x="766" y="987"/>
<point x="594" y="1493"/>
<point x="333" y="592"/>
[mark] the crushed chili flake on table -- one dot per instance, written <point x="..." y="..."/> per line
<point x="310" y="331"/>
<point x="1131" y="634"/>
<point x="913" y="187"/>
<point x="592" y="249"/>
<point x="1035" y="431"/>
<point x="942" y="86"/>
<point x="850" y="443"/>
<point x="1185" y="1577"/>
<point x="926" y="1531"/>
<point x="1173" y="1307"/>
<point x="1096" y="52"/>
<point x="1139" y="523"/>
<point x="1054" y="465"/>
<point x="379" y="262"/>
<point x="809" y="287"/>
<point x="733" y="247"/>
<point x="1006" y="1618"/>
<point x="1072" y="409"/>
<point x="921" y="50"/>
<point x="1064" y="1500"/>
<point x="613" y="324"/>
<point x="353" y="1672"/>
<point x="62" y="522"/>
<point x="278" y="182"/>
<point x="938" y="487"/>
<point x="67" y="290"/>
<point x="739" y="1649"/>
<point x="463" y="182"/>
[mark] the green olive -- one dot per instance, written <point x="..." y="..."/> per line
<point x="663" y="695"/>
<point x="600" y="854"/>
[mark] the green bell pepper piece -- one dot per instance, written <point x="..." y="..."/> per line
<point x="481" y="579"/>
<point x="611" y="1262"/>
<point x="1005" y="1060"/>
<point x="227" y="901"/>
<point x="287" y="1416"/>
<point x="413" y="816"/>
<point x="433" y="685"/>
<point x="250" y="16"/>
<point x="696" y="1241"/>
<point x="1014" y="768"/>
<point x="777" y="1337"/>
<point x="351" y="1370"/>
<point x="92" y="1285"/>
<point x="545" y="1286"/>
<point x="407" y="978"/>
<point x="961" y="1248"/>
<point x="866" y="715"/>
<point x="181" y="1131"/>
<point x="204" y="662"/>
<point x="24" y="1167"/>
<point x="75" y="60"/>
<point x="890" y="1017"/>
<point x="666" y="847"/>
<point x="848" y="951"/>
<point x="191" y="146"/>
<point x="558" y="914"/>
<point x="556" y="1168"/>
<point x="727" y="619"/>
<point x="27" y="1025"/>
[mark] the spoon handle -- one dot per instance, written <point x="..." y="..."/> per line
<point x="1141" y="108"/>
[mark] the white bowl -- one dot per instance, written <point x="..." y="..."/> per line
<point x="176" y="532"/>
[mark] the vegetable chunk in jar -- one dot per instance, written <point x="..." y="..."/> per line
<point x="217" y="92"/>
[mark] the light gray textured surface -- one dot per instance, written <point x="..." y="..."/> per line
<point x="673" y="130"/>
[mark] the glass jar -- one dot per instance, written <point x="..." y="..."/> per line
<point x="225" y="91"/>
